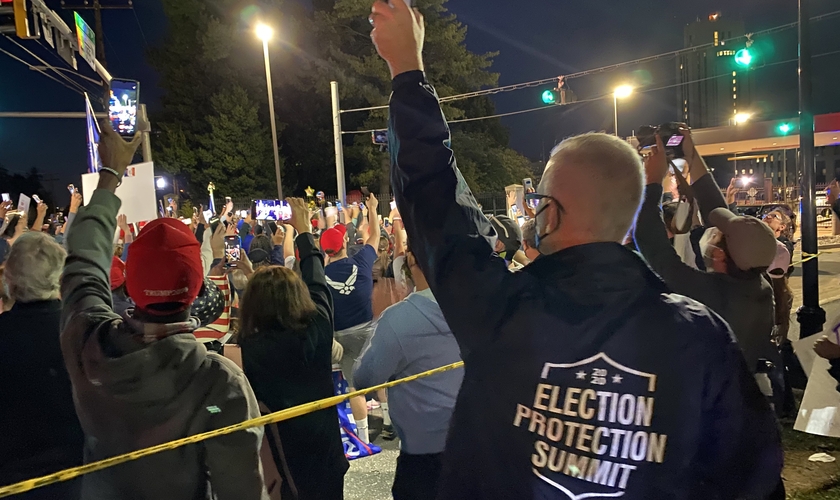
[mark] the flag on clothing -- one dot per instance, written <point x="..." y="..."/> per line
<point x="353" y="446"/>
<point x="219" y="328"/>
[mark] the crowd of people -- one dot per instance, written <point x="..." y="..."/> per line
<point x="614" y="346"/>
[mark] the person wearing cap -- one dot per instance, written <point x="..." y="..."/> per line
<point x="41" y="433"/>
<point x="351" y="284"/>
<point x="143" y="379"/>
<point x="509" y="241"/>
<point x="737" y="250"/>
<point x="550" y="351"/>
<point x="119" y="296"/>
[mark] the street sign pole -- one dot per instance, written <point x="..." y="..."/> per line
<point x="810" y="315"/>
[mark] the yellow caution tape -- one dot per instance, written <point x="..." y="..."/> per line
<point x="272" y="418"/>
<point x="807" y="257"/>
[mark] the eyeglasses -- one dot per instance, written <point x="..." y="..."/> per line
<point x="772" y="215"/>
<point x="539" y="197"/>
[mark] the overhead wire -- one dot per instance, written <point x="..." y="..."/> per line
<point x="48" y="65"/>
<point x="579" y="74"/>
<point x="598" y="98"/>
<point x="42" y="71"/>
<point x="139" y="25"/>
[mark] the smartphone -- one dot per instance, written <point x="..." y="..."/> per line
<point x="214" y="222"/>
<point x="338" y="206"/>
<point x="272" y="227"/>
<point x="122" y="108"/>
<point x="6" y="197"/>
<point x="170" y="200"/>
<point x="35" y="197"/>
<point x="195" y="210"/>
<point x="233" y="248"/>
<point x="365" y="191"/>
<point x="208" y="214"/>
<point x="379" y="137"/>
<point x="528" y="183"/>
<point x="393" y="205"/>
<point x="674" y="147"/>
<point x="271" y="210"/>
<point x="520" y="220"/>
<point x="72" y="189"/>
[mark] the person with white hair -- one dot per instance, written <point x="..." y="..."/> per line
<point x="585" y="377"/>
<point x="42" y="432"/>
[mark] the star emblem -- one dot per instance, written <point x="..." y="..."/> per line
<point x="309" y="191"/>
<point x="617" y="379"/>
<point x="581" y="375"/>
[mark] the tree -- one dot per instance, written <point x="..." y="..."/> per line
<point x="211" y="127"/>
<point x="212" y="52"/>
<point x="339" y="48"/>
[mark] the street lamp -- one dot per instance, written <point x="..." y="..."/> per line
<point x="160" y="182"/>
<point x="265" y="33"/>
<point x="741" y="118"/>
<point x="620" y="92"/>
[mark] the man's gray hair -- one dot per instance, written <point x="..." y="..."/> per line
<point x="529" y="233"/>
<point x="34" y="266"/>
<point x="614" y="180"/>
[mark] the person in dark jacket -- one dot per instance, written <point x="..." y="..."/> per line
<point x="286" y="336"/>
<point x="585" y="376"/>
<point x="41" y="432"/>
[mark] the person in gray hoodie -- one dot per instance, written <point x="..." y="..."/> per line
<point x="142" y="379"/>
<point x="412" y="337"/>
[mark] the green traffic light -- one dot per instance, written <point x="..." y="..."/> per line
<point x="548" y="97"/>
<point x="784" y="128"/>
<point x="743" y="57"/>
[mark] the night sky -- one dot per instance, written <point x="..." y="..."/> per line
<point x="536" y="39"/>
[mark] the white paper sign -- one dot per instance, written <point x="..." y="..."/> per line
<point x="819" y="412"/>
<point x="137" y="192"/>
<point x="23" y="204"/>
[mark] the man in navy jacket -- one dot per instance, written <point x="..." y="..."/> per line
<point x="585" y="377"/>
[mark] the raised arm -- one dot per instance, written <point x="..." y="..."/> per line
<point x="85" y="283"/>
<point x="311" y="260"/>
<point x="374" y="234"/>
<point x="651" y="237"/>
<point x="706" y="191"/>
<point x="449" y="235"/>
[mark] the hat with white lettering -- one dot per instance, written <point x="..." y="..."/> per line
<point x="164" y="272"/>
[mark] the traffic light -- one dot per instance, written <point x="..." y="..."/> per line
<point x="785" y="128"/>
<point x="549" y="97"/>
<point x="743" y="57"/>
<point x="13" y="18"/>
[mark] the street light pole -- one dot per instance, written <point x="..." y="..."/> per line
<point x="615" y="112"/>
<point x="619" y="93"/>
<point x="264" y="33"/>
<point x="810" y="315"/>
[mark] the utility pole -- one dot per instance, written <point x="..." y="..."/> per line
<point x="810" y="315"/>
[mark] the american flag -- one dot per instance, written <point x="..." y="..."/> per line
<point x="220" y="327"/>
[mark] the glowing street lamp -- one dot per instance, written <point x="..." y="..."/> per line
<point x="741" y="118"/>
<point x="160" y="182"/>
<point x="265" y="33"/>
<point x="620" y="92"/>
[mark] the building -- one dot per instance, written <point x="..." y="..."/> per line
<point x="712" y="88"/>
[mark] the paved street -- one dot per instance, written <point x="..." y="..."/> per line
<point x="829" y="276"/>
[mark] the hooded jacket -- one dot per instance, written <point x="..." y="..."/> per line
<point x="584" y="376"/>
<point x="412" y="337"/>
<point x="130" y="395"/>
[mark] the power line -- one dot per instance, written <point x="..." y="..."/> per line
<point x="43" y="72"/>
<point x="579" y="74"/>
<point x="142" y="33"/>
<point x="48" y="65"/>
<point x="598" y="98"/>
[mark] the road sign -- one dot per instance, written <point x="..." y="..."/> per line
<point x="87" y="41"/>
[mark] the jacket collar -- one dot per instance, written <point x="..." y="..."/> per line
<point x="597" y="268"/>
<point x="40" y="305"/>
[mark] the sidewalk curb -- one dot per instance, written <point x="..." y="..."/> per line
<point x="829" y="247"/>
<point x="829" y="300"/>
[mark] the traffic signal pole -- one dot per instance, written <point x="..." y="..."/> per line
<point x="810" y="315"/>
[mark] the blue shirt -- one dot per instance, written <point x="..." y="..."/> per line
<point x="351" y="284"/>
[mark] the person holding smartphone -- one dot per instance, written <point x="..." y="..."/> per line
<point x="143" y="378"/>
